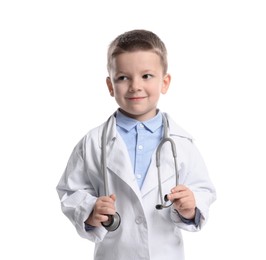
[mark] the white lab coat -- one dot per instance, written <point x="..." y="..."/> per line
<point x="145" y="232"/>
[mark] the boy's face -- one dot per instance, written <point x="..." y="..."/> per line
<point x="136" y="81"/>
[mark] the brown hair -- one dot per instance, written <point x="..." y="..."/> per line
<point x="137" y="40"/>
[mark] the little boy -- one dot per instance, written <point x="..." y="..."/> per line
<point x="126" y="157"/>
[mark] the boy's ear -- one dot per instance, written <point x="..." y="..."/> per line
<point x="166" y="83"/>
<point x="110" y="86"/>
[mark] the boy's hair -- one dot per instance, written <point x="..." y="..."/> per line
<point x="136" y="40"/>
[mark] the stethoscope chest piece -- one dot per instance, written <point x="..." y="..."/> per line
<point x="113" y="222"/>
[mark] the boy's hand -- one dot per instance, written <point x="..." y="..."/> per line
<point x="183" y="200"/>
<point x="103" y="207"/>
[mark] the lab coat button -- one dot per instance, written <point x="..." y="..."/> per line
<point x="139" y="219"/>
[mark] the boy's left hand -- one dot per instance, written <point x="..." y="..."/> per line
<point x="183" y="201"/>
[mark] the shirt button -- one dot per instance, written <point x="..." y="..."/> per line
<point x="141" y="125"/>
<point x="140" y="147"/>
<point x="138" y="176"/>
<point x="139" y="220"/>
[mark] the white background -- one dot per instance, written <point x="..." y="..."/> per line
<point x="52" y="79"/>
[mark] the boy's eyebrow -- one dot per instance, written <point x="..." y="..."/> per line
<point x="148" y="71"/>
<point x="144" y="72"/>
<point x="120" y="72"/>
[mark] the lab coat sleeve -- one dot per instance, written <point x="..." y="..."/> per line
<point x="77" y="194"/>
<point x="197" y="179"/>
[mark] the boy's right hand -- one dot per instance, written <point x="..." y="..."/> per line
<point x="103" y="207"/>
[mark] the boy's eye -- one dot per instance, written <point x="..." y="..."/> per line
<point x="147" y="76"/>
<point x="121" y="78"/>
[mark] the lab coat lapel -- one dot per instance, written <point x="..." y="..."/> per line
<point x="118" y="161"/>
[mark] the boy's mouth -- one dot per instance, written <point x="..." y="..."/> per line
<point x="135" y="98"/>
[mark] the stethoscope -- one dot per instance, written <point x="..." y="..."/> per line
<point x="114" y="221"/>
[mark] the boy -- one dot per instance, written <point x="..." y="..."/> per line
<point x="121" y="157"/>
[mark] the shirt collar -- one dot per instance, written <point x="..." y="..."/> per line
<point x="128" y="123"/>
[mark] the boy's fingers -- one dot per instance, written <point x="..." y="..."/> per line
<point x="113" y="197"/>
<point x="178" y="188"/>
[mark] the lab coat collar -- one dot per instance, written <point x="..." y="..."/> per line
<point x="176" y="130"/>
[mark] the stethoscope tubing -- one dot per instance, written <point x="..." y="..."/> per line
<point x="158" y="164"/>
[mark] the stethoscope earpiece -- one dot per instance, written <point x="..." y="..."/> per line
<point x="159" y="206"/>
<point x="113" y="222"/>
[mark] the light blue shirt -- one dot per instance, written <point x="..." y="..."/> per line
<point x="141" y="139"/>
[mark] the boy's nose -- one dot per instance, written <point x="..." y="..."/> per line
<point x="134" y="86"/>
